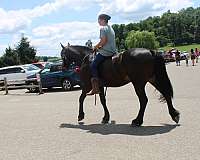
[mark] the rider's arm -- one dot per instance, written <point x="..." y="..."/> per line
<point x="103" y="37"/>
<point x="102" y="42"/>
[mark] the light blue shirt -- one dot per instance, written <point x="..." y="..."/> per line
<point x="109" y="49"/>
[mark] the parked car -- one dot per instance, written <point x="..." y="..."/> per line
<point x="18" y="74"/>
<point x="56" y="76"/>
<point x="42" y="65"/>
<point x="185" y="55"/>
<point x="169" y="57"/>
<point x="30" y="69"/>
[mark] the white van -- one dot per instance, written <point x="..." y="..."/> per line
<point x="17" y="74"/>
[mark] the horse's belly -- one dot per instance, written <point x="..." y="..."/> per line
<point x="114" y="76"/>
<point x="116" y="84"/>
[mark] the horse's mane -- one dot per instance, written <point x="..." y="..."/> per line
<point x="80" y="48"/>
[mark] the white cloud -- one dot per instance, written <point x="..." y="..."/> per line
<point x="15" y="20"/>
<point x="69" y="30"/>
<point x="139" y="9"/>
<point x="77" y="33"/>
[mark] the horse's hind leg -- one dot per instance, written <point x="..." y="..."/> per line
<point x="172" y="111"/>
<point x="140" y="91"/>
<point x="106" y="117"/>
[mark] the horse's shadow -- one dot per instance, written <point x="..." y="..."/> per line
<point x="125" y="129"/>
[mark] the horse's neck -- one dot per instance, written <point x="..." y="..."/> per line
<point x="81" y="53"/>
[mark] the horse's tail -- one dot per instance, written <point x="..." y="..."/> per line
<point x="162" y="81"/>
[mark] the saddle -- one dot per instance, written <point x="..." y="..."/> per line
<point x="110" y="68"/>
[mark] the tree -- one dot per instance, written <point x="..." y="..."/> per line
<point x="163" y="41"/>
<point x="9" y="58"/>
<point x="178" y="28"/>
<point x="22" y="54"/>
<point x="45" y="58"/>
<point x="144" y="39"/>
<point x="25" y="52"/>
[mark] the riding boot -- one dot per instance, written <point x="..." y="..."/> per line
<point x="95" y="87"/>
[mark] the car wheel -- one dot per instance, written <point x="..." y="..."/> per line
<point x="66" y="85"/>
<point x="32" y="90"/>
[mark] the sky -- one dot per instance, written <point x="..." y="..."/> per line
<point x="46" y="23"/>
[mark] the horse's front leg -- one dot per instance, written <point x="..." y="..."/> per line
<point x="81" y="100"/>
<point x="106" y="117"/>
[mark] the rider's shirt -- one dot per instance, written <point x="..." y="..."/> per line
<point x="110" y="47"/>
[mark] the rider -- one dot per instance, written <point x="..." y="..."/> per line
<point x="106" y="48"/>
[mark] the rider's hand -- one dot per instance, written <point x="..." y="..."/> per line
<point x="94" y="49"/>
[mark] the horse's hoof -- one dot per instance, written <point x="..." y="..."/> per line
<point x="104" y="121"/>
<point x="136" y="123"/>
<point x="176" y="118"/>
<point x="81" y="123"/>
<point x="81" y="117"/>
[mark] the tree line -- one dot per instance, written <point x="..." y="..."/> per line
<point x="170" y="28"/>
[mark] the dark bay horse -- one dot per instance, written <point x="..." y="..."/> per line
<point x="137" y="66"/>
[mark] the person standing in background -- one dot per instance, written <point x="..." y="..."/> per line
<point x="197" y="54"/>
<point x="187" y="59"/>
<point x="178" y="58"/>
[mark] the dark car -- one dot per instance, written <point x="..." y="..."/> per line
<point x="56" y="76"/>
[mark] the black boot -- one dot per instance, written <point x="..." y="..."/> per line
<point x="95" y="87"/>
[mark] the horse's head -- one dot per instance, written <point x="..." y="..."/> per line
<point x="64" y="55"/>
<point x="73" y="54"/>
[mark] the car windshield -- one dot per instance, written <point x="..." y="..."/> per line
<point x="30" y="67"/>
<point x="39" y="65"/>
<point x="46" y="70"/>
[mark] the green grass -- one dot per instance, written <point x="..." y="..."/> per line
<point x="182" y="48"/>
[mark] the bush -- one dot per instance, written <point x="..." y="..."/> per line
<point x="144" y="39"/>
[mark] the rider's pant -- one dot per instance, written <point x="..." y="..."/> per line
<point x="94" y="65"/>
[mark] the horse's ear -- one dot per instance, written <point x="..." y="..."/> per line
<point x="63" y="47"/>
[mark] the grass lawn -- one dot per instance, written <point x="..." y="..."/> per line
<point x="182" y="48"/>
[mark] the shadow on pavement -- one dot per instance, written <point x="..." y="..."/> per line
<point x="54" y="90"/>
<point x="35" y="93"/>
<point x="125" y="129"/>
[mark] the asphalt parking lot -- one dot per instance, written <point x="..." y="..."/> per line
<point x="44" y="127"/>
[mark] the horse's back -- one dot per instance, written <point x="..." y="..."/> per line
<point x="139" y="63"/>
<point x="139" y="55"/>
